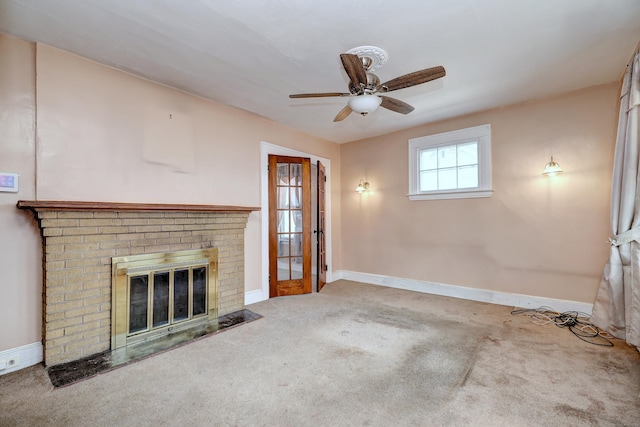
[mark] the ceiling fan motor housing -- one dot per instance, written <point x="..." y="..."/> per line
<point x="373" y="83"/>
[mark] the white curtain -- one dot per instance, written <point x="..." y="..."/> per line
<point x="617" y="305"/>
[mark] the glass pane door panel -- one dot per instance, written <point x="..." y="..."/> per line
<point x="296" y="245"/>
<point x="284" y="269"/>
<point x="283" y="173"/>
<point x="296" y="174"/>
<point x="283" y="245"/>
<point x="199" y="290"/>
<point x="180" y="295"/>
<point x="296" y="221"/>
<point x="296" y="268"/>
<point x="295" y="198"/>
<point x="283" y="221"/>
<point x="138" y="303"/>
<point x="160" y="299"/>
<point x="283" y="197"/>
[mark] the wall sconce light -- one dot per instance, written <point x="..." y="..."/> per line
<point x="362" y="187"/>
<point x="551" y="168"/>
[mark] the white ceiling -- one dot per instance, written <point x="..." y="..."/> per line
<point x="251" y="54"/>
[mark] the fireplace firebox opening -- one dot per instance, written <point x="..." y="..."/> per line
<point x="154" y="295"/>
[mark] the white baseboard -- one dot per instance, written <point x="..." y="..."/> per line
<point x="252" y="297"/>
<point x="20" y="357"/>
<point x="474" y="294"/>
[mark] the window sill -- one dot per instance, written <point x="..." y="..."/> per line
<point x="439" y="195"/>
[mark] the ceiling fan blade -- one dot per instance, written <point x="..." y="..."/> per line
<point x="343" y="114"/>
<point x="413" y="79"/>
<point x="354" y="68"/>
<point x="396" y="105"/>
<point x="318" y="95"/>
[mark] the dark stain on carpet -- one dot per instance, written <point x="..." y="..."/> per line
<point x="68" y="373"/>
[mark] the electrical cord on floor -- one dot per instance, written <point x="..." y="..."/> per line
<point x="577" y="322"/>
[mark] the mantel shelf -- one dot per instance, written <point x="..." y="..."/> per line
<point x="115" y="206"/>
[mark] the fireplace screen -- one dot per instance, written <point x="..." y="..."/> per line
<point x="156" y="294"/>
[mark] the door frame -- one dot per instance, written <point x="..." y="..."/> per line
<point x="267" y="148"/>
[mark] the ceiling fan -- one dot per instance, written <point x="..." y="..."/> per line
<point x="364" y="86"/>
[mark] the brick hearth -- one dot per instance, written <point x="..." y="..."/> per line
<point x="79" y="240"/>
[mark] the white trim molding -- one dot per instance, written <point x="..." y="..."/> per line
<point x="22" y="357"/>
<point x="462" y="292"/>
<point x="257" y="295"/>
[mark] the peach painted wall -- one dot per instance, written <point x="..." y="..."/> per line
<point x="109" y="136"/>
<point x="535" y="236"/>
<point x="105" y="135"/>
<point x="20" y="247"/>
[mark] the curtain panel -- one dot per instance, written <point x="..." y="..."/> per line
<point x="616" y="308"/>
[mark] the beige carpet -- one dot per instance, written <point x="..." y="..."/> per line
<point x="353" y="355"/>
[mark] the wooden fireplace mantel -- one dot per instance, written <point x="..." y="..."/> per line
<point x="116" y="206"/>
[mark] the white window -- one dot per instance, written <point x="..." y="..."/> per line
<point x="451" y="165"/>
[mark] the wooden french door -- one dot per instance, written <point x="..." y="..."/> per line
<point x="289" y="225"/>
<point x="322" y="251"/>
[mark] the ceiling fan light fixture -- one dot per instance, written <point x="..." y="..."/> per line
<point x="365" y="104"/>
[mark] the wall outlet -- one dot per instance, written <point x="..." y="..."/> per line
<point x="21" y="357"/>
<point x="10" y="363"/>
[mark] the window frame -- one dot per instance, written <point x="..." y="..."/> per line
<point x="481" y="134"/>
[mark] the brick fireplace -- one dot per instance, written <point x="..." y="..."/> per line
<point x="81" y="238"/>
